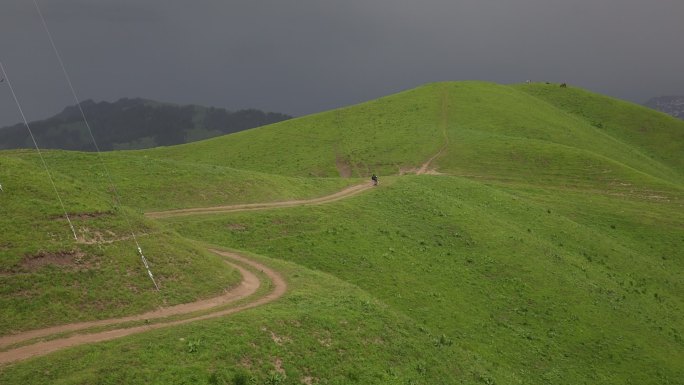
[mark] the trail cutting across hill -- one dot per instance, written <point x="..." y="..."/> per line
<point x="346" y="193"/>
<point x="78" y="333"/>
<point x="249" y="285"/>
<point x="443" y="123"/>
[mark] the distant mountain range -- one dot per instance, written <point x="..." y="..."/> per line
<point x="133" y="124"/>
<point x="672" y="105"/>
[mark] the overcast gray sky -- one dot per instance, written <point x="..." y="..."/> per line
<point x="305" y="56"/>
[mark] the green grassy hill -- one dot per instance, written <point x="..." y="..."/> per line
<point x="41" y="264"/>
<point x="47" y="278"/>
<point x="654" y="135"/>
<point x="546" y="249"/>
<point x="542" y="286"/>
<point x="493" y="130"/>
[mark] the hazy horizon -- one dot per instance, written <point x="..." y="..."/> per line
<point x="305" y="57"/>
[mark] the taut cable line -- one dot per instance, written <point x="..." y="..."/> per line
<point x="117" y="197"/>
<point x="40" y="154"/>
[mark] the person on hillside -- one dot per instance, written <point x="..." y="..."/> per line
<point x="1" y="190"/>
<point x="374" y="178"/>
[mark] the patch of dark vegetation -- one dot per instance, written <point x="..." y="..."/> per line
<point x="243" y="378"/>
<point x="84" y="216"/>
<point x="129" y="124"/>
<point x="96" y="214"/>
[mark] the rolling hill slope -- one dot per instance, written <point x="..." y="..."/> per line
<point x="489" y="127"/>
<point x="47" y="278"/>
<point x="543" y="286"/>
<point x="654" y="135"/>
<point x="544" y="247"/>
<point x="148" y="184"/>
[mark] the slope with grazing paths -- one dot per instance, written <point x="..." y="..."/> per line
<point x="248" y="286"/>
<point x="565" y="258"/>
<point x="542" y="275"/>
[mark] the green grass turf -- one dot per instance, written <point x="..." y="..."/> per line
<point x="498" y="131"/>
<point x="493" y="130"/>
<point x="323" y="331"/>
<point x="46" y="278"/>
<point x="148" y="184"/>
<point x="552" y="286"/>
<point x="556" y="258"/>
<point x="380" y="136"/>
<point x="657" y="135"/>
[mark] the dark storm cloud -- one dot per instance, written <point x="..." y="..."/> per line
<point x="305" y="56"/>
<point x="100" y="11"/>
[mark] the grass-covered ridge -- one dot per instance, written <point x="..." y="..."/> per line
<point x="324" y="330"/>
<point x="545" y="286"/>
<point x="548" y="251"/>
<point x="47" y="278"/>
<point x="502" y="132"/>
<point x="495" y="130"/>
<point x="656" y="135"/>
<point x="101" y="275"/>
<point x="148" y="184"/>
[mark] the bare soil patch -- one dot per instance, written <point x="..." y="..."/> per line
<point x="84" y="216"/>
<point x="73" y="258"/>
<point x="343" y="167"/>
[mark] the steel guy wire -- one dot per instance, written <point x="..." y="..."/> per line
<point x="117" y="197"/>
<point x="40" y="154"/>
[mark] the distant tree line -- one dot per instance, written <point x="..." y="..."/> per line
<point x="133" y="123"/>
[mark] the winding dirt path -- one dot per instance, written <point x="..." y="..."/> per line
<point x="249" y="285"/>
<point x="346" y="193"/>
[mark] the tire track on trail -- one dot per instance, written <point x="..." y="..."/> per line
<point x="249" y="285"/>
<point x="346" y="193"/>
<point x="443" y="122"/>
